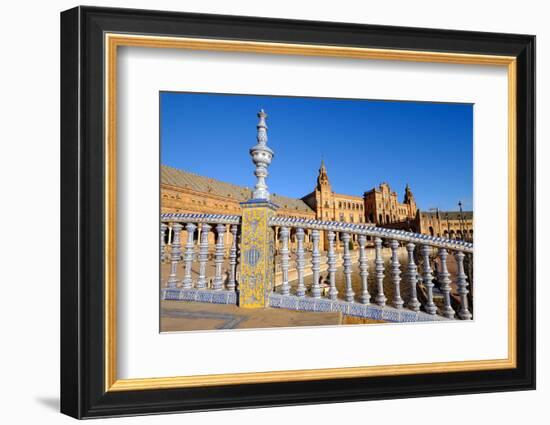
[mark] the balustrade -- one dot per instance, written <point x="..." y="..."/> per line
<point x="392" y="254"/>
<point x="203" y="253"/>
<point x="190" y="267"/>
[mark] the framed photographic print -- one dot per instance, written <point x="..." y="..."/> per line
<point x="261" y="212"/>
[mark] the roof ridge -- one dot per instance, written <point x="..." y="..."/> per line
<point x="298" y="203"/>
<point x="204" y="177"/>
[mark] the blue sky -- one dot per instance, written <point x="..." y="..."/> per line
<point x="363" y="143"/>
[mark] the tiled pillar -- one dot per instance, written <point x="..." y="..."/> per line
<point x="257" y="254"/>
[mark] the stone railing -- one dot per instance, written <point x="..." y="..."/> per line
<point x="421" y="250"/>
<point x="188" y="242"/>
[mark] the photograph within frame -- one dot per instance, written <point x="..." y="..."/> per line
<point x="236" y="257"/>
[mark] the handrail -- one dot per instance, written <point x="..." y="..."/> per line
<point x="361" y="229"/>
<point x="201" y="218"/>
<point x="335" y="226"/>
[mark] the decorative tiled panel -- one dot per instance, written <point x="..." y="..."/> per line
<point x="203" y="295"/>
<point x="292" y="302"/>
<point x="367" y="311"/>
<point x="257" y="264"/>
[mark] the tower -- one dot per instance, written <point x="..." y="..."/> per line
<point x="322" y="177"/>
<point x="410" y="202"/>
<point x="323" y="195"/>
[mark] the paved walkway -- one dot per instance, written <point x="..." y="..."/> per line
<point x="190" y="316"/>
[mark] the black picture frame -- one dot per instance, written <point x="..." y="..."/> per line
<point x="83" y="392"/>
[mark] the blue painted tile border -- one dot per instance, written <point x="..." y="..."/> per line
<point x="292" y="302"/>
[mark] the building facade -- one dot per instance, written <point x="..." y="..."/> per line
<point x="382" y="205"/>
<point x="377" y="206"/>
<point x="184" y="192"/>
<point x="330" y="206"/>
<point x="446" y="224"/>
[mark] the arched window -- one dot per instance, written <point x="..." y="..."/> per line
<point x="431" y="230"/>
<point x="387" y="218"/>
<point x="379" y="218"/>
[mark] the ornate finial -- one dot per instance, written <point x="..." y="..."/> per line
<point x="261" y="157"/>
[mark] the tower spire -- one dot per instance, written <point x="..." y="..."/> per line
<point x="322" y="177"/>
<point x="261" y="157"/>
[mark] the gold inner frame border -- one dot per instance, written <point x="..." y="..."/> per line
<point x="113" y="40"/>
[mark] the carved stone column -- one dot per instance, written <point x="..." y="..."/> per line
<point x="189" y="253"/>
<point x="300" y="262"/>
<point x="331" y="262"/>
<point x="427" y="278"/>
<point x="315" y="265"/>
<point x="380" y="298"/>
<point x="395" y="275"/>
<point x="412" y="277"/>
<point x="217" y="283"/>
<point x="363" y="270"/>
<point x="174" y="256"/>
<point x="445" y="282"/>
<point x="203" y="256"/>
<point x="349" y="294"/>
<point x="462" y="284"/>
<point x="285" y="259"/>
